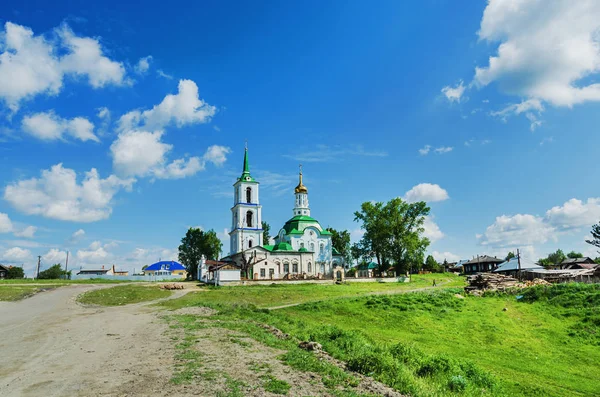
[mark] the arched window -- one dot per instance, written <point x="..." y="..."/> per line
<point x="309" y="267"/>
<point x="286" y="267"/>
<point x="249" y="243"/>
<point x="248" y="194"/>
<point x="301" y="245"/>
<point x="322" y="268"/>
<point x="312" y="247"/>
<point x="321" y="248"/>
<point x="249" y="219"/>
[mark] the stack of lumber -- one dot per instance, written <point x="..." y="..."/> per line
<point x="537" y="281"/>
<point x="492" y="281"/>
<point x="171" y="286"/>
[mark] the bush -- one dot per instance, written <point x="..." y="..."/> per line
<point x="457" y="383"/>
<point x="54" y="272"/>
<point x="15" y="272"/>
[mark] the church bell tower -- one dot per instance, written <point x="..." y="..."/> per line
<point x="246" y="213"/>
<point x="301" y="206"/>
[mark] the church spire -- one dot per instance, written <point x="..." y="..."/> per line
<point x="246" y="171"/>
<point x="300" y="188"/>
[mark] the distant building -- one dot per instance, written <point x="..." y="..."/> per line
<point x="103" y="271"/>
<point x="3" y="271"/>
<point x="166" y="268"/>
<point x="578" y="263"/>
<point x="481" y="264"/>
<point x="366" y="269"/>
<point x="217" y="272"/>
<point x="511" y="267"/>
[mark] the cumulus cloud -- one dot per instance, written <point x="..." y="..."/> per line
<point x="31" y="65"/>
<point x="5" y="223"/>
<point x="448" y="256"/>
<point x="426" y="192"/>
<point x="48" y="126"/>
<point x="432" y="230"/>
<point x="183" y="108"/>
<point x="142" y="153"/>
<point x="439" y="150"/>
<point x="529" y="230"/>
<point x="77" y="236"/>
<point x="16" y="255"/>
<point x="96" y="253"/>
<point x="58" y="195"/>
<point x="27" y="232"/>
<point x="53" y="256"/>
<point x="454" y="94"/>
<point x="143" y="65"/>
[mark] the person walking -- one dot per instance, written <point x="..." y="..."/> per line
<point x="434" y="284"/>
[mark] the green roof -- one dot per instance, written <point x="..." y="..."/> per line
<point x="335" y="251"/>
<point x="302" y="249"/>
<point x="268" y="247"/>
<point x="246" y="171"/>
<point x="365" y="266"/>
<point x="283" y="246"/>
<point x="297" y="224"/>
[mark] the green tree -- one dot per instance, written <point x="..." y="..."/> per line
<point x="394" y="233"/>
<point x="15" y="272"/>
<point x="266" y="236"/>
<point x="54" y="272"/>
<point x="557" y="257"/>
<point x="574" y="255"/>
<point x="431" y="264"/>
<point x="509" y="256"/>
<point x="195" y="244"/>
<point x="595" y="241"/>
<point x="341" y="242"/>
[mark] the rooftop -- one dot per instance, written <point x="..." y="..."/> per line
<point x="165" y="265"/>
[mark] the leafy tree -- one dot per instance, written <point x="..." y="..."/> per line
<point x="431" y="264"/>
<point x="15" y="272"/>
<point x="574" y="255"/>
<point x="341" y="242"/>
<point x="509" y="256"/>
<point x="597" y="260"/>
<point x="393" y="233"/>
<point x="596" y="236"/>
<point x="266" y="236"/>
<point x="195" y="244"/>
<point x="557" y="257"/>
<point x="54" y="272"/>
<point x="144" y="267"/>
<point x="357" y="252"/>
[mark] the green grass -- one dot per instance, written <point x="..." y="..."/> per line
<point x="122" y="295"/>
<point x="62" y="282"/>
<point x="546" y="342"/>
<point x="16" y="292"/>
<point x="274" y="385"/>
<point x="284" y="294"/>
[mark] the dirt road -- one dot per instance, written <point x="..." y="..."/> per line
<point x="52" y="346"/>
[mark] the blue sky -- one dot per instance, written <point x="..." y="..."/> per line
<point x="122" y="126"/>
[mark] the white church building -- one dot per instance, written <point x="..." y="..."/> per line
<point x="302" y="249"/>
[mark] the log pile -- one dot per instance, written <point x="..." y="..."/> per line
<point x="492" y="281"/>
<point x="536" y="281"/>
<point x="171" y="286"/>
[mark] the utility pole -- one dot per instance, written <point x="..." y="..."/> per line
<point x="67" y="264"/>
<point x="38" y="267"/>
<point x="519" y="261"/>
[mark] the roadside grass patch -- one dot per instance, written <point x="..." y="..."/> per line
<point x="13" y="293"/>
<point x="122" y="295"/>
<point x="274" y="385"/>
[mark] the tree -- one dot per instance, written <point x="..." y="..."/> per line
<point x="394" y="233"/>
<point x="341" y="242"/>
<point x="509" y="256"/>
<point x="596" y="236"/>
<point x="557" y="257"/>
<point x="15" y="272"/>
<point x="54" y="272"/>
<point x="574" y="255"/>
<point x="144" y="267"/>
<point x="266" y="228"/>
<point x="195" y="244"/>
<point x="431" y="264"/>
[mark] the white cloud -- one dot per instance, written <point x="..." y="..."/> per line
<point x="574" y="214"/>
<point x="54" y="256"/>
<point x="356" y="234"/>
<point x="16" y="255"/>
<point x="30" y="65"/>
<point x="323" y="153"/>
<point x="5" y="223"/>
<point x="142" y="153"/>
<point x="183" y="108"/>
<point x="95" y="254"/>
<point x="432" y="230"/>
<point x="528" y="230"/>
<point x="77" y="236"/>
<point x="143" y="65"/>
<point x="439" y="150"/>
<point x="103" y="113"/>
<point x="532" y="108"/>
<point x="448" y="256"/>
<point x="425" y="150"/>
<point x="161" y="73"/>
<point x="454" y="94"/>
<point x="546" y="140"/>
<point x="546" y="49"/>
<point x="27" y="232"/>
<point x="426" y="192"/>
<point x="49" y="126"/>
<point x="58" y="195"/>
<point x="86" y="58"/>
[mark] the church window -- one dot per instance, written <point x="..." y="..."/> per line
<point x="301" y="245"/>
<point x="286" y="267"/>
<point x="321" y="247"/>
<point x="312" y="247"/>
<point x="262" y="273"/>
<point x="309" y="267"/>
<point x="294" y="268"/>
<point x="271" y="273"/>
<point x="322" y="268"/>
<point x="248" y="194"/>
<point x="249" y="219"/>
<point x="250" y="243"/>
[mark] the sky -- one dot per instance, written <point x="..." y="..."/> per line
<point x="122" y="126"/>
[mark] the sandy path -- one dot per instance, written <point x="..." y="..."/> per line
<point x="52" y="346"/>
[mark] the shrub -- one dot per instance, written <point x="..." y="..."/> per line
<point x="457" y="383"/>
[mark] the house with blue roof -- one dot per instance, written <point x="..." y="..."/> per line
<point x="166" y="268"/>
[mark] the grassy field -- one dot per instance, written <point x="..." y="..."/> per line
<point x="122" y="295"/>
<point x="16" y="292"/>
<point x="285" y="294"/>
<point x="61" y="282"/>
<point x="546" y="343"/>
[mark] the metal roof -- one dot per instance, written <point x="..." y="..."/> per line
<point x="484" y="259"/>
<point x="513" y="264"/>
<point x="168" y="265"/>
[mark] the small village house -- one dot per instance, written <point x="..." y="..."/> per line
<point x="512" y="268"/>
<point x="3" y="272"/>
<point x="578" y="263"/>
<point x="166" y="268"/>
<point x="218" y="272"/>
<point x="366" y="269"/>
<point x="97" y="271"/>
<point x="481" y="264"/>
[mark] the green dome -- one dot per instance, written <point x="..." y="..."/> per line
<point x="283" y="246"/>
<point x="302" y="250"/>
<point x="297" y="224"/>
